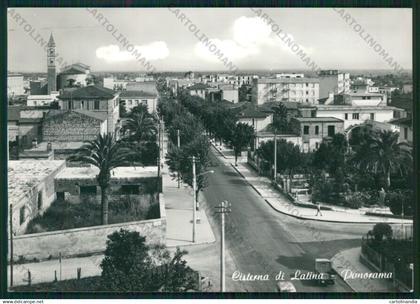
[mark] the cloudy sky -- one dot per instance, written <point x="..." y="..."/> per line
<point x="247" y="40"/>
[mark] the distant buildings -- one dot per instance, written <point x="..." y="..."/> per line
<point x="15" y="84"/>
<point x="41" y="100"/>
<point x="230" y="93"/>
<point x="131" y="99"/>
<point x="255" y="118"/>
<point x="74" y="75"/>
<point x="333" y="81"/>
<point x="198" y="89"/>
<point x="300" y="90"/>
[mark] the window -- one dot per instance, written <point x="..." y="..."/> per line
<point x="346" y="116"/>
<point x="313" y="113"/>
<point x="39" y="200"/>
<point x="306" y="130"/>
<point x="96" y="106"/>
<point x="355" y="116"/>
<point x="86" y="190"/>
<point x="316" y="130"/>
<point x="307" y="92"/>
<point x="405" y="133"/>
<point x="144" y="101"/>
<point x="22" y="215"/>
<point x="331" y="131"/>
<point x="372" y="116"/>
<point x="82" y="105"/>
<point x="316" y="145"/>
<point x="130" y="189"/>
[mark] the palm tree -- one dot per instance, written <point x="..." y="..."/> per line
<point x="105" y="153"/>
<point x="381" y="153"/>
<point x="140" y="126"/>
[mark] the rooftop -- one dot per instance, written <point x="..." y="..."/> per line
<point x="24" y="175"/>
<point x="117" y="173"/>
<point x="102" y="116"/>
<point x="287" y="80"/>
<point x="88" y="92"/>
<point x="58" y="145"/>
<point x="407" y="121"/>
<point x="353" y="108"/>
<point x="318" y="119"/>
<point x="251" y="112"/>
<point x="140" y="94"/>
<point x="198" y="86"/>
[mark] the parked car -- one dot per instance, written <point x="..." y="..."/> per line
<point x="324" y="268"/>
<point x="285" y="286"/>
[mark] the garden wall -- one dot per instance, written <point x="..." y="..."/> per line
<point x="85" y="241"/>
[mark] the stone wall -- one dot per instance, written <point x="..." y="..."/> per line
<point x="71" y="126"/>
<point x="85" y="241"/>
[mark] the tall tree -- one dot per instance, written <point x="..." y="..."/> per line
<point x="105" y="153"/>
<point x="140" y="126"/>
<point x="241" y="138"/>
<point x="381" y="153"/>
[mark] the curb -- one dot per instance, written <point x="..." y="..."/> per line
<point x="220" y="152"/>
<point x="338" y="273"/>
<point x="252" y="186"/>
<point x="301" y="217"/>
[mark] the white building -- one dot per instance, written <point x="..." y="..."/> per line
<point x="355" y="115"/>
<point x="290" y="75"/>
<point x="15" y="84"/>
<point x="255" y="118"/>
<point x="74" y="75"/>
<point x="333" y="81"/>
<point x="301" y="90"/>
<point x="230" y="93"/>
<point x="41" y="100"/>
<point x="131" y="99"/>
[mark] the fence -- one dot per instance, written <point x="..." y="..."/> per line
<point x="402" y="276"/>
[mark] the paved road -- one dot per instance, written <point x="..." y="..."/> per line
<point x="263" y="241"/>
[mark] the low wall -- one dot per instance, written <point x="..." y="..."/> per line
<point x="85" y="241"/>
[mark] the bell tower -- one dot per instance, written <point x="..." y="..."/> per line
<point x="52" y="77"/>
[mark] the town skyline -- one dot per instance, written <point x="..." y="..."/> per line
<point x="240" y="33"/>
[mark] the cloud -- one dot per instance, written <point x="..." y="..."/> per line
<point x="152" y="51"/>
<point x="229" y="48"/>
<point x="250" y="36"/>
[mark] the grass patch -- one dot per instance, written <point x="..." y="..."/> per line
<point x="87" y="212"/>
<point x="82" y="285"/>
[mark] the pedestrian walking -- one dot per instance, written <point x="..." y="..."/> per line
<point x="318" y="209"/>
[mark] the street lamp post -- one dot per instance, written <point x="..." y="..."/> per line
<point x="194" y="198"/>
<point x="275" y="156"/>
<point x="195" y="205"/>
<point x="11" y="243"/>
<point x="179" y="146"/>
<point x="223" y="208"/>
<point x="412" y="277"/>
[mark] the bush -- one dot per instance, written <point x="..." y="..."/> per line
<point x="358" y="199"/>
<point x="380" y="230"/>
<point x="395" y="199"/>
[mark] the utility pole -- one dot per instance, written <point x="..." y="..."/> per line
<point x="158" y="160"/>
<point x="11" y="243"/>
<point x="179" y="146"/>
<point x="194" y="198"/>
<point x="275" y="156"/>
<point x="223" y="208"/>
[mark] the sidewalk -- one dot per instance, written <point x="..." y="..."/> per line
<point x="179" y="213"/>
<point x="347" y="262"/>
<point x="278" y="201"/>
